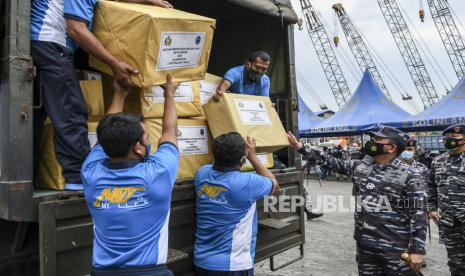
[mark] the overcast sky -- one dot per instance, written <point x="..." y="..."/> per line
<point x="367" y="16"/>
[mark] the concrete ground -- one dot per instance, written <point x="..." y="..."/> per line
<point x="330" y="247"/>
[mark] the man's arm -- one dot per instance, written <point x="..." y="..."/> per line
<point x="221" y="89"/>
<point x="418" y="219"/>
<point x="119" y="97"/>
<point x="81" y="35"/>
<point x="77" y="29"/>
<point x="170" y="117"/>
<point x="258" y="166"/>
<point x="433" y="194"/>
<point x="347" y="165"/>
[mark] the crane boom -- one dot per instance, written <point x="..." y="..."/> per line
<point x="450" y="35"/>
<point x="409" y="51"/>
<point x="358" y="48"/>
<point x="325" y="53"/>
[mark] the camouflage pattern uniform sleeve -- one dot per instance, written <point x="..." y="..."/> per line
<point x="432" y="189"/>
<point x="418" y="212"/>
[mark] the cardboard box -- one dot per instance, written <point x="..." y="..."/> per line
<point x="252" y="116"/>
<point x="266" y="159"/>
<point x="150" y="102"/>
<point x="49" y="171"/>
<point x="194" y="143"/>
<point x="208" y="87"/>
<point x="154" y="40"/>
<point x="93" y="95"/>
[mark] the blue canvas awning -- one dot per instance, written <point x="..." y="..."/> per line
<point x="306" y="118"/>
<point x="450" y="110"/>
<point x="366" y="110"/>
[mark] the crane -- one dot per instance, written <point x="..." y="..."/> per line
<point x="358" y="48"/>
<point x="450" y="35"/>
<point x="325" y="53"/>
<point x="409" y="52"/>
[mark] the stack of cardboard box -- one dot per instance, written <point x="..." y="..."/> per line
<point x="159" y="41"/>
<point x="156" y="41"/>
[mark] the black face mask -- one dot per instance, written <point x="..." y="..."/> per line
<point x="254" y="75"/>
<point x="452" y="143"/>
<point x="374" y="149"/>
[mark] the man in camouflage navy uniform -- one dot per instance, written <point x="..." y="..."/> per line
<point x="446" y="196"/>
<point x="391" y="213"/>
<point x="409" y="157"/>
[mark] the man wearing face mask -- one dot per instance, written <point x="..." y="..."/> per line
<point x="128" y="191"/>
<point x="226" y="208"/>
<point x="391" y="215"/>
<point x="446" y="196"/>
<point x="390" y="218"/>
<point x="409" y="157"/>
<point x="247" y="79"/>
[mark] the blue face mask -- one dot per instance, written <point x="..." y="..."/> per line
<point x="407" y="155"/>
<point x="148" y="149"/>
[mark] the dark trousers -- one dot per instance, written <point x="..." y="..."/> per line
<point x="64" y="103"/>
<point x="454" y="237"/>
<point x="203" y="272"/>
<point x="152" y="270"/>
<point x="374" y="262"/>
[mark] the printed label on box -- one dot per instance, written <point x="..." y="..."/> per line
<point x="207" y="90"/>
<point x="192" y="140"/>
<point x="183" y="93"/>
<point x="180" y="50"/>
<point x="252" y="112"/>
<point x="263" y="158"/>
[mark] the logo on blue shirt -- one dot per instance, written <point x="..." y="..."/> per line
<point x="120" y="197"/>
<point x="213" y="193"/>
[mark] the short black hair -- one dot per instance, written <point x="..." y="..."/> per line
<point x="118" y="132"/>
<point x="259" y="54"/>
<point x="228" y="149"/>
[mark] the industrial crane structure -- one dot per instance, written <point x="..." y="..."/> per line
<point x="358" y="48"/>
<point x="450" y="35"/>
<point x="326" y="54"/>
<point x="409" y="51"/>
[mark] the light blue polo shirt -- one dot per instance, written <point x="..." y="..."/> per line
<point x="239" y="84"/>
<point x="227" y="217"/>
<point x="130" y="207"/>
<point x="48" y="19"/>
<point x="82" y="10"/>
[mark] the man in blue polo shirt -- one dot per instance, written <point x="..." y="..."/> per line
<point x="128" y="191"/>
<point x="57" y="26"/>
<point x="247" y="79"/>
<point x="226" y="208"/>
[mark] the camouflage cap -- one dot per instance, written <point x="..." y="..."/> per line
<point x="457" y="128"/>
<point x="391" y="133"/>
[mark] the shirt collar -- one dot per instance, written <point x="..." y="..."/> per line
<point x="221" y="168"/>
<point x="120" y="165"/>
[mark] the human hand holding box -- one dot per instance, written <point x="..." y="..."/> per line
<point x="252" y="116"/>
